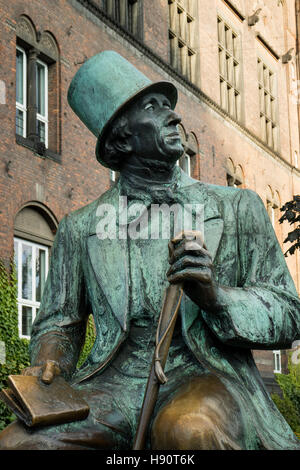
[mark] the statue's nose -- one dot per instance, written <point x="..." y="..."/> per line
<point x="173" y="118"/>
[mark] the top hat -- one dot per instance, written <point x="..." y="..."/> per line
<point x="103" y="86"/>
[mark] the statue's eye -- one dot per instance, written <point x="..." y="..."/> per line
<point x="167" y="105"/>
<point x="149" y="106"/>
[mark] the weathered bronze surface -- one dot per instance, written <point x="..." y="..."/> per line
<point x="238" y="294"/>
<point x="37" y="403"/>
<point x="202" y="416"/>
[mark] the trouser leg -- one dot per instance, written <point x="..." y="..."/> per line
<point x="202" y="415"/>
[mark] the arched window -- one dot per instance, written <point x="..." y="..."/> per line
<point x="273" y="205"/>
<point x="34" y="231"/>
<point x="234" y="174"/>
<point x="191" y="149"/>
<point x="37" y="93"/>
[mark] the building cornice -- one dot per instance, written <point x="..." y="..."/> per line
<point x="167" y="68"/>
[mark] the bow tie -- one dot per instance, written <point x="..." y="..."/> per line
<point x="147" y="193"/>
<point x="154" y="195"/>
<point x="143" y="195"/>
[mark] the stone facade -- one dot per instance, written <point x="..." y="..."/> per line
<point x="67" y="175"/>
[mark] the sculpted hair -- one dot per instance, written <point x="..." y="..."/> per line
<point x="115" y="149"/>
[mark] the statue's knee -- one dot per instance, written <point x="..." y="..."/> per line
<point x="198" y="419"/>
<point x="13" y="436"/>
<point x="183" y="432"/>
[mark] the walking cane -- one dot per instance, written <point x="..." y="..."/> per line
<point x="164" y="333"/>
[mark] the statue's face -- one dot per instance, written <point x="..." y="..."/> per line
<point x="154" y="129"/>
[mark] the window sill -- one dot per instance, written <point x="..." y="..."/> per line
<point x="38" y="148"/>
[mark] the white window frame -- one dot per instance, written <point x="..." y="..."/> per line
<point x="187" y="158"/>
<point x="230" y="69"/>
<point x="268" y="117"/>
<point x="277" y="353"/>
<point x="40" y="117"/>
<point x="20" y="106"/>
<point x="25" y="302"/>
<point x="112" y="175"/>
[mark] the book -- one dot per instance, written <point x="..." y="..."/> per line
<point x="38" y="404"/>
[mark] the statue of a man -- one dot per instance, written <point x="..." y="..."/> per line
<point x="238" y="296"/>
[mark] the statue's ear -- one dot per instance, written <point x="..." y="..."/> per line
<point x="123" y="144"/>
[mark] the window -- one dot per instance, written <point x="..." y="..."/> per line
<point x="233" y="181"/>
<point x="234" y="174"/>
<point x="268" y="105"/>
<point x="31" y="262"/>
<point x="125" y="12"/>
<point x="229" y="69"/>
<point x="37" y="104"/>
<point x="113" y="176"/>
<point x="273" y="205"/>
<point x="42" y="101"/>
<point x="182" y="16"/>
<point x="21" y="88"/>
<point x="34" y="231"/>
<point x="37" y="90"/>
<point x="277" y="361"/>
<point x="273" y="209"/>
<point x="185" y="164"/>
<point x="187" y="161"/>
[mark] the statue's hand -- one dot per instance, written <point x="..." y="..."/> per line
<point x="191" y="265"/>
<point x="48" y="371"/>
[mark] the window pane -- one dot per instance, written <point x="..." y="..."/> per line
<point x="41" y="130"/>
<point x="41" y="89"/>
<point x="20" y="77"/>
<point x="40" y="273"/>
<point x="26" y="272"/>
<point x="26" y="320"/>
<point x="19" y="122"/>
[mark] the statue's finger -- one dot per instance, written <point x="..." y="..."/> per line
<point x="191" y="274"/>
<point x="49" y="372"/>
<point x="189" y="261"/>
<point x="189" y="248"/>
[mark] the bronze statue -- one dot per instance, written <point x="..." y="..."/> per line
<point x="237" y="292"/>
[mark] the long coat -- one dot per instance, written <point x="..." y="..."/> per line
<point x="260" y="306"/>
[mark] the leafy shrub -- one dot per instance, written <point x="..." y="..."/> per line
<point x="17" y="356"/>
<point x="291" y="213"/>
<point x="289" y="405"/>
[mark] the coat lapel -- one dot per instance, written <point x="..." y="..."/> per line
<point x="109" y="260"/>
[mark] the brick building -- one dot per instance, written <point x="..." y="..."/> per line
<point x="235" y="65"/>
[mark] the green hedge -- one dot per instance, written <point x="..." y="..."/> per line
<point x="17" y="357"/>
<point x="289" y="405"/>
